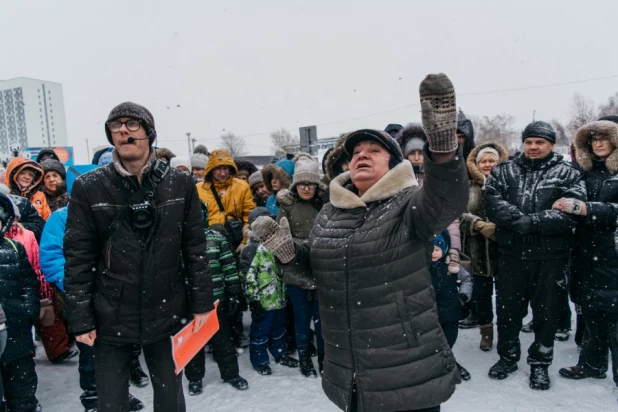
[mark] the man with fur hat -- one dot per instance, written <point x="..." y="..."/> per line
<point x="133" y="235"/>
<point x="534" y="242"/>
<point x="260" y="193"/>
<point x="164" y="154"/>
<point x="234" y="194"/>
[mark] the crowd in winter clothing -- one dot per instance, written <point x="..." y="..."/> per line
<point x="373" y="281"/>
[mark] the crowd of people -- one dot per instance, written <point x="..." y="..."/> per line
<point x="358" y="271"/>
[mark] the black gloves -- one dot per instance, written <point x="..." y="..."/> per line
<point x="523" y="226"/>
<point x="234" y="299"/>
<point x="256" y="308"/>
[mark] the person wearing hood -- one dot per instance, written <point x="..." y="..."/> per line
<point x="20" y="299"/>
<point x="368" y="255"/>
<point x="164" y="154"/>
<point x="54" y="184"/>
<point x="392" y="129"/>
<point x="594" y="271"/>
<point x="465" y="136"/>
<point x="478" y="237"/>
<point x="235" y="196"/>
<point x="245" y="169"/>
<point x="300" y="205"/>
<point x="336" y="161"/>
<point x="534" y="243"/>
<point x="46" y="153"/>
<point x="24" y="177"/>
<point x="260" y="193"/>
<point x="29" y="218"/>
<point x="276" y="177"/>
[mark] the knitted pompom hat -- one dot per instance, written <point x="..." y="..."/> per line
<point x="306" y="170"/>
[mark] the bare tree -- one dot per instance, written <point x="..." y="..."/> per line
<point x="283" y="139"/>
<point x="610" y="108"/>
<point x="235" y="145"/>
<point x="562" y="135"/>
<point x="498" y="129"/>
<point x="582" y="112"/>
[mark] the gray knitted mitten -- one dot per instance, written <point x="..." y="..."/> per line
<point x="277" y="238"/>
<point x="439" y="113"/>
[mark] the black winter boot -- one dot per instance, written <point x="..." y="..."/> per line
<point x="239" y="383"/>
<point x="502" y="369"/>
<point x="137" y="377"/>
<point x="463" y="373"/>
<point x="195" y="388"/>
<point x="263" y="369"/>
<point x="321" y="360"/>
<point x="135" y="404"/>
<point x="539" y="377"/>
<point x="306" y="364"/>
<point x="286" y="360"/>
<point x="562" y="335"/>
<point x="528" y="327"/>
<point x="581" y="371"/>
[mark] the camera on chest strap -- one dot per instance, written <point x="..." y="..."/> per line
<point x="143" y="215"/>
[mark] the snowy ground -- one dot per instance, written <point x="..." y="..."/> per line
<point x="286" y="390"/>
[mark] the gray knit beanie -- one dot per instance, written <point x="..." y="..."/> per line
<point x="134" y="111"/>
<point x="255" y="179"/>
<point x="180" y="161"/>
<point x="53" y="165"/>
<point x="199" y="161"/>
<point x="540" y="129"/>
<point x="306" y="170"/>
<point x="415" y="143"/>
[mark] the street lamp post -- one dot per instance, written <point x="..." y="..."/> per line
<point x="189" y="142"/>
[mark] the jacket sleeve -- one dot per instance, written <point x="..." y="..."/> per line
<point x="81" y="251"/>
<point x="466" y="223"/>
<point x="497" y="208"/>
<point x="554" y="222"/>
<point x="465" y="282"/>
<point x="194" y="253"/>
<point x="248" y="206"/>
<point x="228" y="265"/>
<point x="443" y="197"/>
<point x="246" y="257"/>
<point x="29" y="283"/>
<point x="52" y="257"/>
<point x="300" y="267"/>
<point x="453" y="230"/>
<point x="601" y="214"/>
<point x="31" y="219"/>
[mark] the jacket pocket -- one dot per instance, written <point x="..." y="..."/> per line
<point x="404" y="318"/>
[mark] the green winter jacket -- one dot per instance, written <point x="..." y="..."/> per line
<point x="264" y="281"/>
<point x="222" y="264"/>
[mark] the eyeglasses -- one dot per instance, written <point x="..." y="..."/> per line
<point x="305" y="186"/>
<point x="599" y="139"/>
<point x="115" y="125"/>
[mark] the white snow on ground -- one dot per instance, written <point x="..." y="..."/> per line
<point x="286" y="390"/>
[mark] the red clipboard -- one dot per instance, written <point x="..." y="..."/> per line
<point x="186" y="344"/>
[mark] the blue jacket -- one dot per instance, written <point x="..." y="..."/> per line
<point x="51" y="254"/>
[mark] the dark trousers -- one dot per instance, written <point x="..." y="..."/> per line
<point x="113" y="363"/>
<point x="222" y="350"/>
<point x="87" y="376"/>
<point x="20" y="382"/>
<point x="267" y="334"/>
<point x="482" y="298"/>
<point x="306" y="308"/>
<point x="601" y="337"/>
<point x="564" y="321"/>
<point x="543" y="285"/>
<point x="354" y="405"/>
<point x="451" y="331"/>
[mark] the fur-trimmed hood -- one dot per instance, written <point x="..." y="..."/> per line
<point x="394" y="181"/>
<point x="410" y="131"/>
<point x="242" y="164"/>
<point x="583" y="150"/>
<point x="477" y="176"/>
<point x="335" y="159"/>
<point x="271" y="171"/>
<point x="165" y="153"/>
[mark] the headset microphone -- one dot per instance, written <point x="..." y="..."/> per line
<point x="132" y="139"/>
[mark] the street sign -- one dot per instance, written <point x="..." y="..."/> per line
<point x="309" y="140"/>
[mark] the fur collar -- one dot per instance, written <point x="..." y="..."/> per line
<point x="473" y="169"/>
<point x="398" y="178"/>
<point x="583" y="151"/>
<point x="272" y="171"/>
<point x="124" y="173"/>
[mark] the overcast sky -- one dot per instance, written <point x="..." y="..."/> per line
<point x="254" y="66"/>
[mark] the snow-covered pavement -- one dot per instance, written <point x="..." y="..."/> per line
<point x="286" y="390"/>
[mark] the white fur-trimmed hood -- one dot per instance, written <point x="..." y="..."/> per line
<point x="394" y="181"/>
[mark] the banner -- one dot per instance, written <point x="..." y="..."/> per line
<point x="64" y="153"/>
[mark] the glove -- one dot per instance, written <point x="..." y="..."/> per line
<point x="487" y="229"/>
<point x="439" y="113"/>
<point x="234" y="297"/>
<point x="454" y="263"/>
<point x="524" y="225"/>
<point x="256" y="308"/>
<point x="463" y="298"/>
<point x="46" y="313"/>
<point x="275" y="237"/>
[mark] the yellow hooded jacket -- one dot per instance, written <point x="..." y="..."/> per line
<point x="235" y="194"/>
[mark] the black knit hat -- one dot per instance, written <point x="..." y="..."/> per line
<point x="541" y="130"/>
<point x="52" y="165"/>
<point x="377" y="136"/>
<point x="134" y="111"/>
<point x="610" y="118"/>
